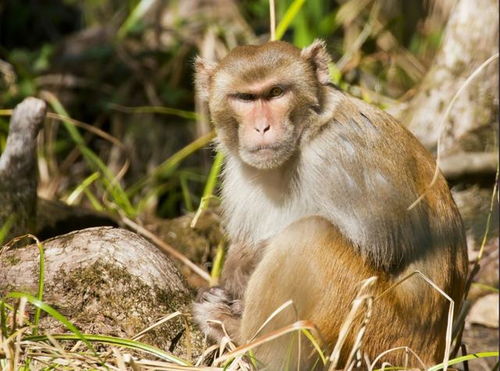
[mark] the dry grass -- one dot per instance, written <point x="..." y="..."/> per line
<point x="20" y="349"/>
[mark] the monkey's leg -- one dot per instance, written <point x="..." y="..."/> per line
<point x="312" y="264"/>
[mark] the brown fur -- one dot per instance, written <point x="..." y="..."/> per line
<point x="312" y="264"/>
<point x="355" y="168"/>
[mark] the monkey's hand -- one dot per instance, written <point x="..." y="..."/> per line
<point x="217" y="313"/>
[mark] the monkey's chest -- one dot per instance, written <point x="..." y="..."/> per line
<point x="256" y="217"/>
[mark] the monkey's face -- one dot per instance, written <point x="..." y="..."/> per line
<point x="260" y="100"/>
<point x="266" y="135"/>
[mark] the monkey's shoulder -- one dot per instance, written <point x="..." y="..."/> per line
<point x="358" y="131"/>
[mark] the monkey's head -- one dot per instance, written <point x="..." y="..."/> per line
<point x="261" y="98"/>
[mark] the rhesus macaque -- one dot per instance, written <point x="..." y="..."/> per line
<point x="316" y="190"/>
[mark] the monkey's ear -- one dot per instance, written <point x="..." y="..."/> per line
<point x="204" y="71"/>
<point x="317" y="55"/>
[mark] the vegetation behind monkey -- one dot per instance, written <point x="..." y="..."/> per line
<point x="316" y="190"/>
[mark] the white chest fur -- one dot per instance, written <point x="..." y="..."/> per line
<point x="259" y="204"/>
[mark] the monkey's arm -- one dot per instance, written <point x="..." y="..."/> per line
<point x="224" y="304"/>
<point x="238" y="267"/>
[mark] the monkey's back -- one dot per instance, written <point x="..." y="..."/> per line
<point x="366" y="170"/>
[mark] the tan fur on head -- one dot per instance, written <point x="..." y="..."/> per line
<point x="257" y="69"/>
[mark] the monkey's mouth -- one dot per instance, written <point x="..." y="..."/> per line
<point x="263" y="148"/>
<point x="265" y="156"/>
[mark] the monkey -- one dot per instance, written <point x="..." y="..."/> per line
<point x="316" y="189"/>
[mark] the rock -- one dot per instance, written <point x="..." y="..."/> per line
<point x="107" y="281"/>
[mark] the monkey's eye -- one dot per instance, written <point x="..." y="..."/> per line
<point x="246" y="96"/>
<point x="275" y="92"/>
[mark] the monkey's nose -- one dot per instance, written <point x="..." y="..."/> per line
<point x="262" y="128"/>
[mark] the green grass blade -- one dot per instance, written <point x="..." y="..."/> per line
<point x="288" y="18"/>
<point x="41" y="283"/>
<point x="5" y="228"/>
<point x="218" y="263"/>
<point x="109" y="181"/>
<point x="114" y="188"/>
<point x="213" y="175"/>
<point x="483" y="286"/>
<point x="73" y="196"/>
<point x="302" y="35"/>
<point x="151" y="193"/>
<point x="208" y="192"/>
<point x="134" y="17"/>
<point x="93" y="200"/>
<point x="126" y="343"/>
<point x="315" y="344"/>
<point x="54" y="314"/>
<point x="168" y="166"/>
<point x="186" y="194"/>
<point x="467" y="357"/>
